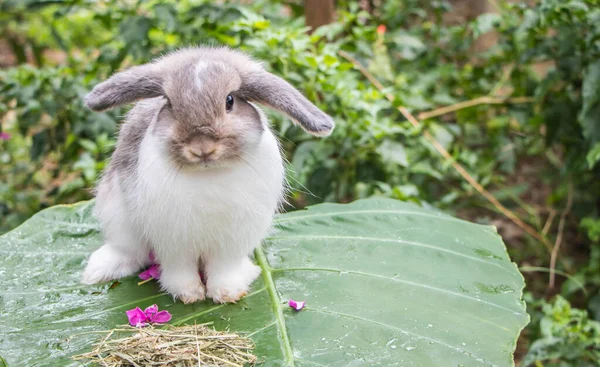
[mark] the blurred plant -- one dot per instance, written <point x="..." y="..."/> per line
<point x="567" y="337"/>
<point x="55" y="148"/>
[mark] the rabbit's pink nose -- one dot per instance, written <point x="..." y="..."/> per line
<point x="203" y="152"/>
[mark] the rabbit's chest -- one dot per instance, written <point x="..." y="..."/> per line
<point x="223" y="204"/>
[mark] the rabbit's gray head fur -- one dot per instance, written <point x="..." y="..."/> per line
<point x="198" y="86"/>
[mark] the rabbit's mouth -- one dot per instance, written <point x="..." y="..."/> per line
<point x="204" y="151"/>
<point x="195" y="163"/>
<point x="209" y="166"/>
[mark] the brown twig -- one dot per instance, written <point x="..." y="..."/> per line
<point x="459" y="168"/>
<point x="505" y="77"/>
<point x="474" y="102"/>
<point x="559" y="237"/>
<point x="549" y="221"/>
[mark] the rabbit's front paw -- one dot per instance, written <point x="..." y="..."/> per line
<point x="231" y="285"/>
<point x="190" y="293"/>
<point x="187" y="287"/>
<point x="108" y="263"/>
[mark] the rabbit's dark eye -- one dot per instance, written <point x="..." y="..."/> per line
<point x="229" y="103"/>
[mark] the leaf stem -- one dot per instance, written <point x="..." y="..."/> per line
<point x="261" y="259"/>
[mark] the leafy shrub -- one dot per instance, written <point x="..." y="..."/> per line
<point x="332" y="169"/>
<point x="566" y="34"/>
<point x="568" y="337"/>
<point x="56" y="148"/>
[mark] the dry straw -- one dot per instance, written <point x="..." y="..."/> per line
<point x="185" y="346"/>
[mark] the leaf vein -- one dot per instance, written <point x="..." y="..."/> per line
<point x="261" y="329"/>
<point x="376" y="239"/>
<point x="90" y="315"/>
<point x="356" y="212"/>
<point x="69" y="224"/>
<point x="403" y="331"/>
<point x="414" y="284"/>
<point x="194" y="315"/>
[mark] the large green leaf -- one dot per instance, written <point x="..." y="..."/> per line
<point x="386" y="283"/>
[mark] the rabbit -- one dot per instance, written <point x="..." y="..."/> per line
<point x="197" y="175"/>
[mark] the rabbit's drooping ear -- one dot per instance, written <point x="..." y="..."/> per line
<point x="128" y="86"/>
<point x="268" y="89"/>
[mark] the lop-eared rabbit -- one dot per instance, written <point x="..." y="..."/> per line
<point x="197" y="175"/>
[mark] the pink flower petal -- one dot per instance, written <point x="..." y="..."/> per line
<point x="151" y="311"/>
<point x="152" y="272"/>
<point x="296" y="305"/>
<point x="136" y="317"/>
<point x="4" y="136"/>
<point x="145" y="275"/>
<point x="161" y="317"/>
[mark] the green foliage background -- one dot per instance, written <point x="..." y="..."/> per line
<point x="531" y="156"/>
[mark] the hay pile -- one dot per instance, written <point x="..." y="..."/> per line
<point x="195" y="345"/>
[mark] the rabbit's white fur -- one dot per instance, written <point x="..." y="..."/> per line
<point x="216" y="215"/>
